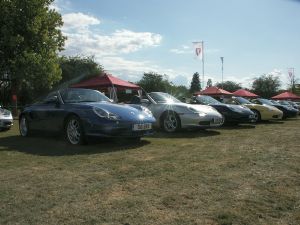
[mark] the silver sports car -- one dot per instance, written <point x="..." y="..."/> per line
<point x="6" y="119"/>
<point x="172" y="114"/>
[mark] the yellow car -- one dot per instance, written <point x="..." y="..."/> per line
<point x="262" y="112"/>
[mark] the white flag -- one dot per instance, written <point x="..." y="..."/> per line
<point x="198" y="46"/>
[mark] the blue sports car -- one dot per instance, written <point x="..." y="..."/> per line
<point x="85" y="112"/>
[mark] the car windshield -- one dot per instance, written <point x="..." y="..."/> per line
<point x="203" y="99"/>
<point x="266" y="101"/>
<point x="285" y="103"/>
<point x="160" y="97"/>
<point x="83" y="95"/>
<point x="242" y="100"/>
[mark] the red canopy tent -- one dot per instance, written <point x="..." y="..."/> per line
<point x="104" y="81"/>
<point x="286" y="96"/>
<point x="214" y="91"/>
<point x="107" y="83"/>
<point x="244" y="93"/>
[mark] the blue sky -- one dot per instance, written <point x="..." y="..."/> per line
<point x="130" y="37"/>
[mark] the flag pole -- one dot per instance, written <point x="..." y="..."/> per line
<point x="199" y="52"/>
<point x="222" y="60"/>
<point x="202" y="65"/>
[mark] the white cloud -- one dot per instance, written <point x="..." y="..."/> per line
<point x="109" y="49"/>
<point x="84" y="40"/>
<point x="183" y="49"/>
<point x="78" y="21"/>
<point x="134" y="70"/>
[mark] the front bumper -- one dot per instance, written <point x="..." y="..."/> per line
<point x="273" y="116"/>
<point x="239" y="117"/>
<point x="207" y="121"/>
<point x="115" y="129"/>
<point x="6" y="123"/>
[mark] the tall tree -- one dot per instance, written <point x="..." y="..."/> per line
<point x="266" y="85"/>
<point x="230" y="86"/>
<point x="75" y="69"/>
<point x="195" y="83"/>
<point x="30" y="40"/>
<point x="153" y="82"/>
<point x="209" y="83"/>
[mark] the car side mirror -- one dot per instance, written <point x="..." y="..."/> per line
<point x="53" y="100"/>
<point x="145" y="101"/>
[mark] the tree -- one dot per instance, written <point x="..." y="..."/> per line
<point x="230" y="86"/>
<point x="157" y="82"/>
<point x="209" y="83"/>
<point x="195" y="83"/>
<point x="30" y="40"/>
<point x="153" y="82"/>
<point x="75" y="69"/>
<point x="266" y="86"/>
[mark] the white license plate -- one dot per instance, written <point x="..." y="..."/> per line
<point x="142" y="126"/>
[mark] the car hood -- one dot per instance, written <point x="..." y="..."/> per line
<point x="5" y="114"/>
<point x="124" y="111"/>
<point x="236" y="108"/>
<point x="267" y="107"/>
<point x="200" y="108"/>
<point x="285" y="107"/>
<point x="241" y="108"/>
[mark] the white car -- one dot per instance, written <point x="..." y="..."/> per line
<point x="172" y="114"/>
<point x="6" y="119"/>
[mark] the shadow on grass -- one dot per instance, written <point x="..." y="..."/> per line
<point x="192" y="133"/>
<point x="56" y="146"/>
<point x="270" y="122"/>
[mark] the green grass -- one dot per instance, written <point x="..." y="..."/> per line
<point x="241" y="175"/>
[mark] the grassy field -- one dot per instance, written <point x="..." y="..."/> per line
<point x="241" y="175"/>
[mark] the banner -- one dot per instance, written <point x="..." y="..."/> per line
<point x="198" y="46"/>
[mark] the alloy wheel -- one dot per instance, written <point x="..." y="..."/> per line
<point x="171" y="122"/>
<point x="23" y="126"/>
<point x="74" y="131"/>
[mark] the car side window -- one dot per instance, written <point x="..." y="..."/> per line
<point x="51" y="98"/>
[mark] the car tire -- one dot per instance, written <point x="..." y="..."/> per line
<point x="74" y="132"/>
<point x="170" y="122"/>
<point x="257" y="115"/>
<point x="24" y="126"/>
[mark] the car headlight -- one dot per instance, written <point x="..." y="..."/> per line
<point x="105" y="114"/>
<point x="146" y="110"/>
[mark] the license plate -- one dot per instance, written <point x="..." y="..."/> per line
<point x="142" y="126"/>
<point x="252" y="116"/>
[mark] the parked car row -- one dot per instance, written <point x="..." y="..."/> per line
<point x="79" y="113"/>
